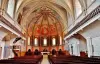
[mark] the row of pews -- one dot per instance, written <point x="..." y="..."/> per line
<point x="35" y="59"/>
<point x="63" y="59"/>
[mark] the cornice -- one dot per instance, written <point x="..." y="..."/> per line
<point x="10" y="25"/>
<point x="86" y="19"/>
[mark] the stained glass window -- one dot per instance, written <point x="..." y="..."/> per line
<point x="45" y="42"/>
<point x="36" y="42"/>
<point x="53" y="41"/>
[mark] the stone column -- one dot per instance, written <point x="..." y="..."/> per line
<point x="89" y="46"/>
<point x="2" y="53"/>
<point x="78" y="50"/>
<point x="65" y="45"/>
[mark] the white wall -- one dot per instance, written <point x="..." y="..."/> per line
<point x="2" y="35"/>
<point x="93" y="31"/>
<point x="79" y="44"/>
<point x="83" y="44"/>
<point x="2" y="43"/>
<point x="75" y="44"/>
<point x="96" y="46"/>
<point x="90" y="8"/>
<point x="7" y="50"/>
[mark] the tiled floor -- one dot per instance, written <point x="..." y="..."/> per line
<point x="45" y="59"/>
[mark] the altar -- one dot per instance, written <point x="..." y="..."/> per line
<point x="45" y="53"/>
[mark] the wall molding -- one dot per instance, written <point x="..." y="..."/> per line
<point x="10" y="25"/>
<point x="86" y="19"/>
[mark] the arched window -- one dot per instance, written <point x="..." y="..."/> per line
<point x="78" y="9"/>
<point x="35" y="42"/>
<point x="60" y="40"/>
<point x="53" y="41"/>
<point x="28" y="40"/>
<point x="10" y="8"/>
<point x="0" y="3"/>
<point x="45" y="42"/>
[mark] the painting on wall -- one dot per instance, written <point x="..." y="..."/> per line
<point x="45" y="30"/>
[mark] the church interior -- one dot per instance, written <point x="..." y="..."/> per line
<point x="49" y="31"/>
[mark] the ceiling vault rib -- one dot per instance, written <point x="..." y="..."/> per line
<point x="54" y="25"/>
<point x="58" y="21"/>
<point x="35" y="24"/>
<point x="58" y="11"/>
<point x="33" y="19"/>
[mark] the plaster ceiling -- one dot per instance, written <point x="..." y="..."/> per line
<point x="33" y="12"/>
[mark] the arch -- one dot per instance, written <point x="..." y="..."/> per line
<point x="26" y="2"/>
<point x="77" y="45"/>
<point x="51" y="4"/>
<point x="36" y="7"/>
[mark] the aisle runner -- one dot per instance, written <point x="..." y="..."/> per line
<point x="45" y="59"/>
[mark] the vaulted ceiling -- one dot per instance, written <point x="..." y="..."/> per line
<point x="38" y="14"/>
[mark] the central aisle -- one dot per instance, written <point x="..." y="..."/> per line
<point x="45" y="59"/>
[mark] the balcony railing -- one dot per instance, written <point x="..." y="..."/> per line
<point x="92" y="14"/>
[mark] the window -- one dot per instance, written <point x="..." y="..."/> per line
<point x="0" y="3"/>
<point x="10" y="9"/>
<point x="78" y="9"/>
<point x="45" y="42"/>
<point x="28" y="40"/>
<point x="53" y="41"/>
<point x="35" y="42"/>
<point x="60" y="40"/>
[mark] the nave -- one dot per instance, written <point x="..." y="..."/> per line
<point x="51" y="59"/>
<point x="54" y="57"/>
<point x="49" y="31"/>
<point x="45" y="60"/>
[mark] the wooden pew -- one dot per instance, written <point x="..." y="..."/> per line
<point x="23" y="60"/>
<point x="72" y="60"/>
